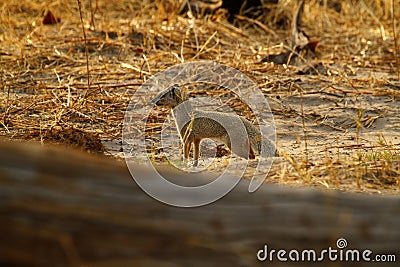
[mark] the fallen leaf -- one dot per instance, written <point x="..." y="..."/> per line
<point x="50" y="19"/>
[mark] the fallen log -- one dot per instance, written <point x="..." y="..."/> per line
<point x="66" y="208"/>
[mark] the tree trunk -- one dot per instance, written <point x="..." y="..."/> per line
<point x="65" y="208"/>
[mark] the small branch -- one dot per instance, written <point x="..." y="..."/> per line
<point x="396" y="47"/>
<point x="86" y="47"/>
<point x="259" y="24"/>
<point x="92" y="13"/>
<point x="304" y="126"/>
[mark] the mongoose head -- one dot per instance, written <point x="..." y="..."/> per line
<point x="171" y="97"/>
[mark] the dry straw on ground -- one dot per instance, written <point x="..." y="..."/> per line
<point x="350" y="106"/>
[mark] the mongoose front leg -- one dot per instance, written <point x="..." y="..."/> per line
<point x="196" y="144"/>
<point x="186" y="150"/>
<point x="252" y="155"/>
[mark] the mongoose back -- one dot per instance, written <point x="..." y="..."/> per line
<point x="194" y="125"/>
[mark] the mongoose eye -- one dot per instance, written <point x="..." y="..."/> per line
<point x="176" y="89"/>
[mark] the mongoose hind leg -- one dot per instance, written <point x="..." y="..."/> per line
<point x="243" y="149"/>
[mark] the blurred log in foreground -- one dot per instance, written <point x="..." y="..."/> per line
<point x="63" y="208"/>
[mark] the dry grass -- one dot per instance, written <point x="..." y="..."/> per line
<point x="350" y="110"/>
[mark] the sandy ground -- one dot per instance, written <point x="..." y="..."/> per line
<point x="339" y="129"/>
